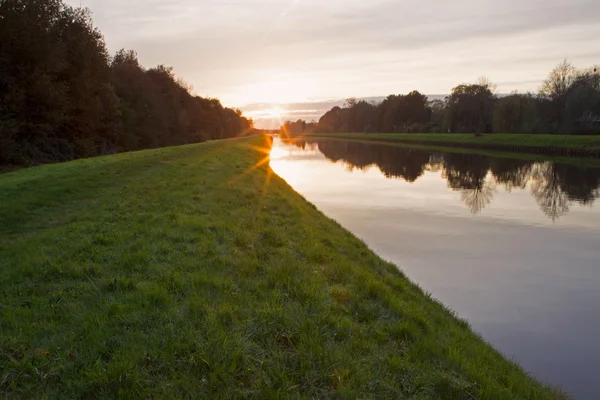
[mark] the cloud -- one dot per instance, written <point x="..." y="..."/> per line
<point x="352" y="47"/>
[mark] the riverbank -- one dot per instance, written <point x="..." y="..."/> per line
<point x="586" y="162"/>
<point x="194" y="271"/>
<point x="555" y="145"/>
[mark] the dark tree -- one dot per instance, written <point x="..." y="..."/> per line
<point x="516" y="113"/>
<point x="61" y="97"/>
<point x="331" y="121"/>
<point x="470" y="108"/>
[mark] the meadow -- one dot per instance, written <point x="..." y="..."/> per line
<point x="195" y="272"/>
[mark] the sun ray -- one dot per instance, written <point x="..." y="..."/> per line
<point x="263" y="192"/>
<point x="266" y="151"/>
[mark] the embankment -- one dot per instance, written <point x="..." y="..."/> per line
<point x="196" y="272"/>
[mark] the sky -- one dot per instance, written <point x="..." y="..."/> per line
<point x="264" y="54"/>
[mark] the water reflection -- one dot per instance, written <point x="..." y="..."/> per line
<point x="524" y="272"/>
<point x="554" y="186"/>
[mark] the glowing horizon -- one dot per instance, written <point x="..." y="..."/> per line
<point x="278" y="52"/>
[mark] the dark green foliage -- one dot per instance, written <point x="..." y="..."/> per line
<point x="397" y="113"/>
<point x="400" y="113"/>
<point x="331" y="121"/>
<point x="298" y="127"/>
<point x="62" y="97"/>
<point x="516" y="113"/>
<point x="582" y="107"/>
<point x="470" y="108"/>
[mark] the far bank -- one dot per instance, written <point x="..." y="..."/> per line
<point x="555" y="145"/>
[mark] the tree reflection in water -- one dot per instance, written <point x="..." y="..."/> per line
<point x="546" y="189"/>
<point x="468" y="174"/>
<point x="476" y="177"/>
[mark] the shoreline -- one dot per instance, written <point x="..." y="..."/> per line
<point x="497" y="142"/>
<point x="197" y="269"/>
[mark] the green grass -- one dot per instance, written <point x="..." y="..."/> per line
<point x="186" y="273"/>
<point x="556" y="141"/>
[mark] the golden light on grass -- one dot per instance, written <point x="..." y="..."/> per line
<point x="270" y="155"/>
<point x="263" y="150"/>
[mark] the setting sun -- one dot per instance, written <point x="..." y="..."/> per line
<point x="275" y="112"/>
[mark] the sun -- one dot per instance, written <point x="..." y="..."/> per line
<point x="275" y="112"/>
<point x="271" y="112"/>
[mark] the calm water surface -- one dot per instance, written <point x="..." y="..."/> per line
<point x="513" y="246"/>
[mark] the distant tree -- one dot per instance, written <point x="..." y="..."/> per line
<point x="588" y="78"/>
<point x="388" y="118"/>
<point x="291" y="128"/>
<point x="559" y="81"/>
<point x="567" y="102"/>
<point x="581" y="102"/>
<point x="361" y="117"/>
<point x="556" y="88"/>
<point x="399" y="113"/>
<point x="485" y="82"/>
<point x="470" y="108"/>
<point x="437" y="110"/>
<point x="331" y="121"/>
<point x="350" y="102"/>
<point x="516" y="113"/>
<point x="417" y="112"/>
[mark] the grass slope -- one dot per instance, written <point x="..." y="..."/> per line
<point x="185" y="272"/>
<point x="555" y="141"/>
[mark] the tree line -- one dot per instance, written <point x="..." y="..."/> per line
<point x="554" y="186"/>
<point x="63" y="96"/>
<point x="568" y="102"/>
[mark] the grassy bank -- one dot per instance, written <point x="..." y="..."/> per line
<point x="550" y="141"/>
<point x="187" y="272"/>
<point x="586" y="162"/>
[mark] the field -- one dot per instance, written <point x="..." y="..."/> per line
<point x="527" y="140"/>
<point x="195" y="272"/>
